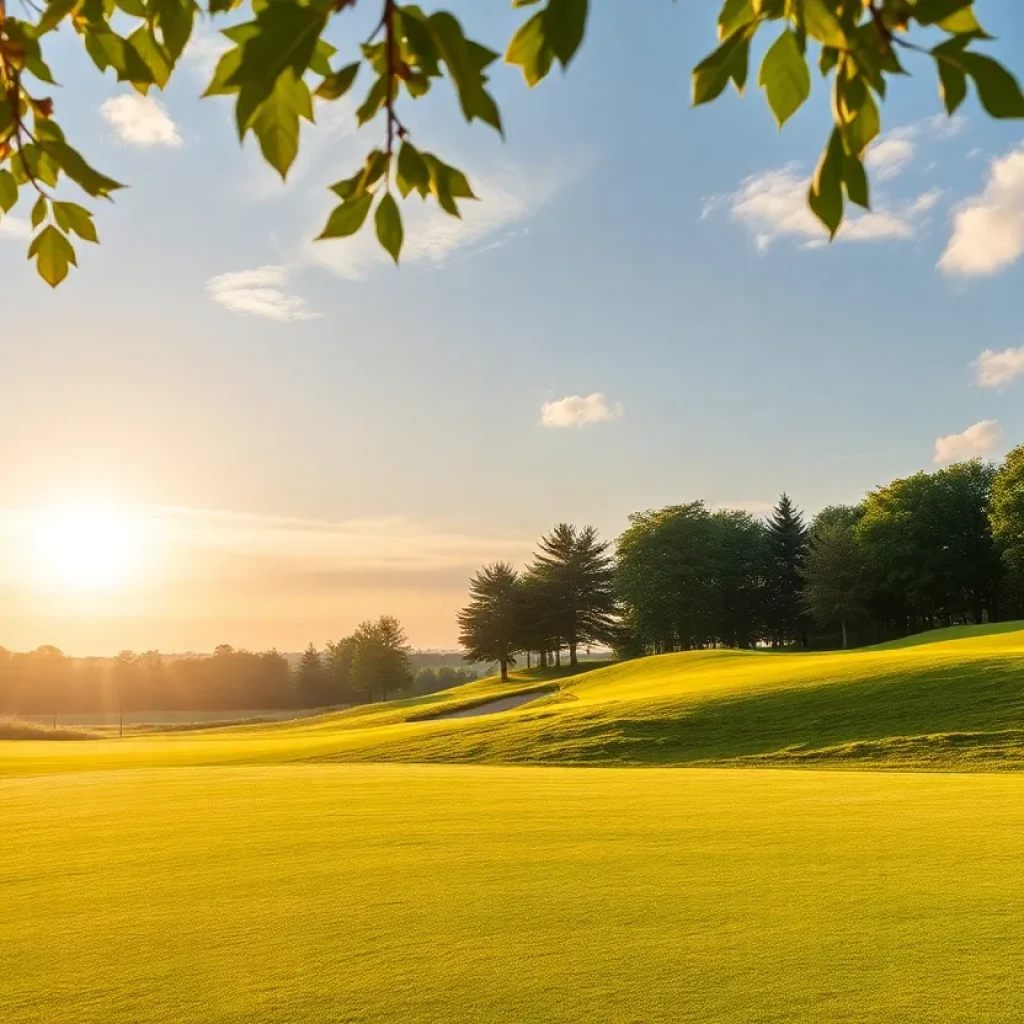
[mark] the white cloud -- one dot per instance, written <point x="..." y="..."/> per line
<point x="576" y="411"/>
<point x="259" y="292"/>
<point x="15" y="227"/>
<point x="205" y="49"/>
<point x="433" y="239"/>
<point x="988" y="230"/>
<point x="975" y="441"/>
<point x="140" y="120"/>
<point x="773" y="205"/>
<point x="891" y="154"/>
<point x="994" y="369"/>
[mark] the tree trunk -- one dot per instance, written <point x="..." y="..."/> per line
<point x="558" y="657"/>
<point x="504" y="669"/>
<point x="573" y="660"/>
<point x="120" y="721"/>
<point x="846" y="638"/>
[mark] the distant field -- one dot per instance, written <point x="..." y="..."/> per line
<point x="397" y="894"/>
<point x="132" y="718"/>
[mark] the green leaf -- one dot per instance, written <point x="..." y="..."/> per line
<point x="74" y="166"/>
<point x="152" y="53"/>
<point x="822" y="24"/>
<point x="931" y="12"/>
<point x="827" y="59"/>
<point x="56" y="11"/>
<point x="413" y="172"/>
<point x="530" y="50"/>
<point x="713" y="73"/>
<point x="565" y="22"/>
<point x="856" y="181"/>
<point x="860" y="132"/>
<point x="998" y="90"/>
<point x="8" y="191"/>
<point x="963" y="22"/>
<point x="375" y="99"/>
<point x="276" y="124"/>
<point x="348" y="218"/>
<point x="320" y="62"/>
<point x="451" y="44"/>
<point x="72" y="217"/>
<point x="388" y="222"/>
<point x="53" y="253"/>
<point x="224" y="72"/>
<point x="336" y="84"/>
<point x="735" y="14"/>
<point x="175" y="19"/>
<point x="785" y="78"/>
<point x="952" y="84"/>
<point x="825" y="196"/>
<point x="39" y="212"/>
<point x="285" y="36"/>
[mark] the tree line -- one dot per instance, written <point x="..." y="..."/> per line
<point x="373" y="663"/>
<point x="932" y="549"/>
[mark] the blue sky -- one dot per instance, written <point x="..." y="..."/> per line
<point x="627" y="246"/>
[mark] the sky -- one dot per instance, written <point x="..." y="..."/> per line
<point x="640" y="311"/>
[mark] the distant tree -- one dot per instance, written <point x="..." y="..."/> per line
<point x="576" y="573"/>
<point x="1007" y="509"/>
<point x="835" y="577"/>
<point x="310" y="678"/>
<point x="125" y="674"/>
<point x="837" y="515"/>
<point x="338" y="669"/>
<point x="787" y="545"/>
<point x="489" y="626"/>
<point x="425" y="680"/>
<point x="930" y="549"/>
<point x="381" y="658"/>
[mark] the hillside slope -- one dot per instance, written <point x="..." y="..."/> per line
<point x="948" y="699"/>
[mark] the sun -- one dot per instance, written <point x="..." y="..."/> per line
<point x="86" y="548"/>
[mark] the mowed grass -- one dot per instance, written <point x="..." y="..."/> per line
<point x="952" y="699"/>
<point x="379" y="893"/>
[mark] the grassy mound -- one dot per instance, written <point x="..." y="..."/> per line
<point x="948" y="699"/>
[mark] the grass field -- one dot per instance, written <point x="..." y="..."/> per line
<point x="438" y="894"/>
<point x="247" y="876"/>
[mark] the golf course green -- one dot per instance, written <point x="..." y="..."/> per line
<point x="258" y="873"/>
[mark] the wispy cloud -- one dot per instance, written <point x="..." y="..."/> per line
<point x="577" y="411"/>
<point x="892" y="153"/>
<point x="15" y="227"/>
<point x="994" y="369"/>
<point x="263" y="291"/>
<point x="205" y="48"/>
<point x="773" y="206"/>
<point x="988" y="230"/>
<point x="506" y="202"/>
<point x="140" y="120"/>
<point x="975" y="441"/>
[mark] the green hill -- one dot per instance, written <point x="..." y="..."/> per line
<point x="948" y="699"/>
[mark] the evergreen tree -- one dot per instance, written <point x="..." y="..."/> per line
<point x="835" y="577"/>
<point x="786" y="538"/>
<point x="338" y="669"/>
<point x="490" y="625"/>
<point x="311" y="678"/>
<point x="574" y="572"/>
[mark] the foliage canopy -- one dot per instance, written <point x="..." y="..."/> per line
<point x="280" y="61"/>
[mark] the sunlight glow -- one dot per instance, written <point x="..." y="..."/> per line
<point x="86" y="548"/>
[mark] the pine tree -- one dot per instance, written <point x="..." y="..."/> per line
<point x="490" y="625"/>
<point x="310" y="678"/>
<point x="575" y="574"/>
<point x="787" y="545"/>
